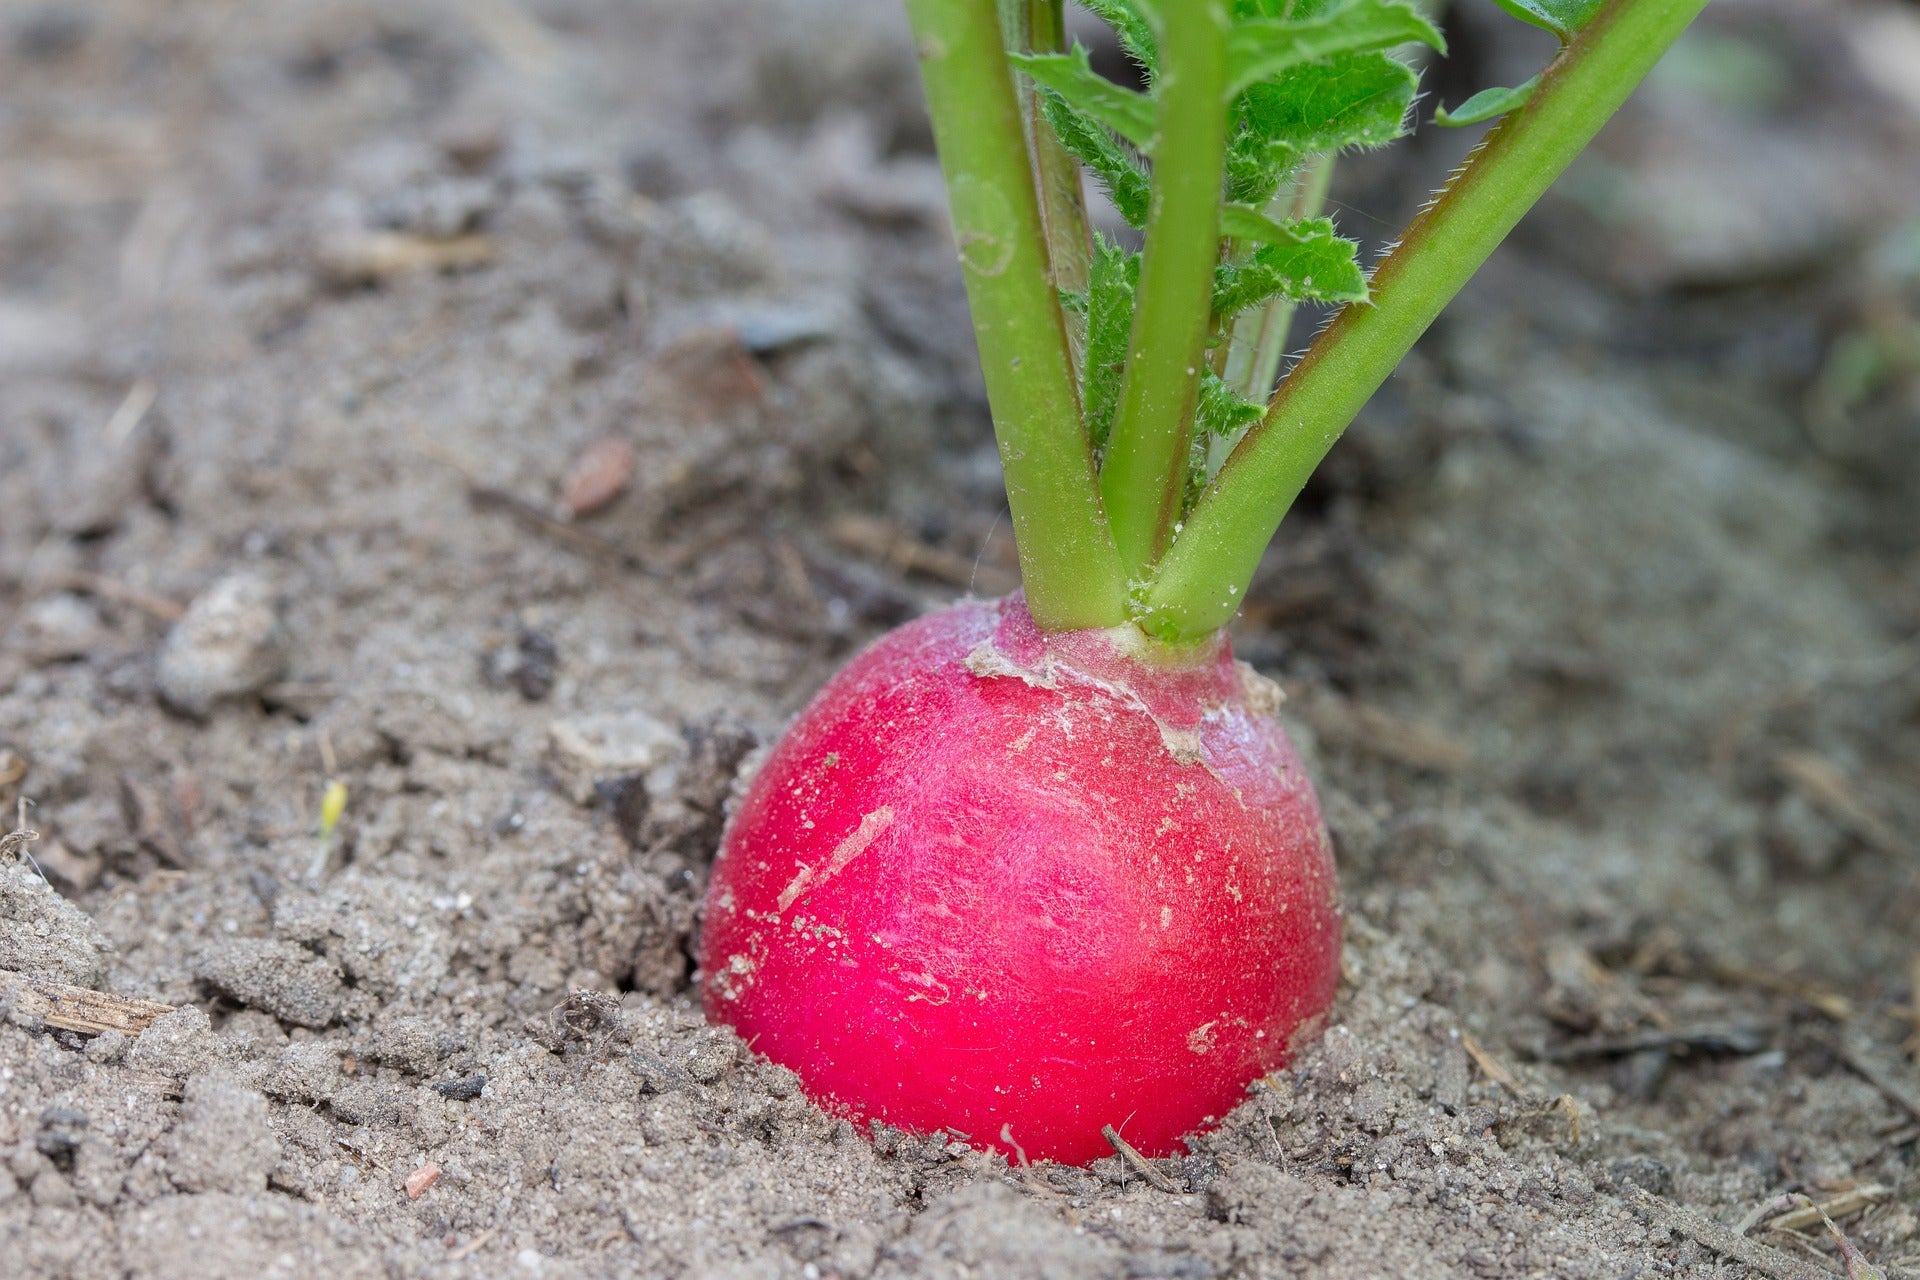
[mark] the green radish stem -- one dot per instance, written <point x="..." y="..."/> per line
<point x="1063" y="202"/>
<point x="1259" y="339"/>
<point x="1067" y="558"/>
<point x="1202" y="579"/>
<point x="1144" y="476"/>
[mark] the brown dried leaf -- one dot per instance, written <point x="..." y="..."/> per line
<point x="599" y="474"/>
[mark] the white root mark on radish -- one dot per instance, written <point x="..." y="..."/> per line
<point x="871" y="825"/>
<point x="1182" y="744"/>
<point x="1264" y="697"/>
<point x="989" y="662"/>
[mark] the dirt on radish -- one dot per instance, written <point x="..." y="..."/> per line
<point x="315" y="322"/>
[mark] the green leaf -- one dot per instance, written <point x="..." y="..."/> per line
<point x="1261" y="49"/>
<point x="1114" y="275"/>
<point x="1486" y="105"/>
<point x="1351" y="100"/>
<point x="1220" y="411"/>
<point x="1304" y="261"/>
<point x="1295" y="9"/>
<point x="1562" y="17"/>
<point x="1094" y="147"/>
<point x="1071" y="75"/>
<point x="1244" y="222"/>
<point x="1130" y="21"/>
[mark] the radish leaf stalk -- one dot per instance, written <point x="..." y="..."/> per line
<point x="1259" y="337"/>
<point x="1067" y="558"/>
<point x="1063" y="207"/>
<point x="1143" y="476"/>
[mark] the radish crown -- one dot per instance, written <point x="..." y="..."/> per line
<point x="1146" y="466"/>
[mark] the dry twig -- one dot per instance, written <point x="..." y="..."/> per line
<point x="1817" y="996"/>
<point x="1138" y="1163"/>
<point x="1375" y="731"/>
<point x="1813" y="1213"/>
<point x="1858" y="1268"/>
<point x="904" y="553"/>
<point x="1710" y="1038"/>
<point x="1830" y="790"/>
<point x="472" y="1246"/>
<point x="1490" y="1066"/>
<point x="93" y="584"/>
<point x="1722" y="1240"/>
<point x="70" y="1008"/>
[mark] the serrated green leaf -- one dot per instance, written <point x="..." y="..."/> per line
<point x="1132" y="22"/>
<point x="1220" y="411"/>
<point x="1071" y="75"/>
<point x="1562" y="17"/>
<point x="1305" y="261"/>
<point x="1352" y="100"/>
<point x="1113" y="276"/>
<point x="1094" y="147"/>
<point x="1356" y="99"/>
<point x="1260" y="49"/>
<point x="1486" y="105"/>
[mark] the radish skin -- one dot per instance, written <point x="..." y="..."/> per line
<point x="1020" y="885"/>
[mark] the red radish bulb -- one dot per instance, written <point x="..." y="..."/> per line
<point x="1021" y="885"/>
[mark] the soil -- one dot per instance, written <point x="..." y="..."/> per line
<point x="1599" y="633"/>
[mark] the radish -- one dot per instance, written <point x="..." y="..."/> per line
<point x="1031" y="868"/>
<point x="997" y="878"/>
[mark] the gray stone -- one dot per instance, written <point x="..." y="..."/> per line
<point x="587" y="750"/>
<point x="229" y="644"/>
<point x="56" y="628"/>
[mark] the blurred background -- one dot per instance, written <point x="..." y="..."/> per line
<point x="512" y="410"/>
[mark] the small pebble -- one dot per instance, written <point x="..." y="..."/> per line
<point x="420" y="1179"/>
<point x="177" y="1044"/>
<point x="57" y="628"/>
<point x="587" y="750"/>
<point x="464" y="1089"/>
<point x="230" y="643"/>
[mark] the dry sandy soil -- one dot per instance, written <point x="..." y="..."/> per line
<point x="1599" y="633"/>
